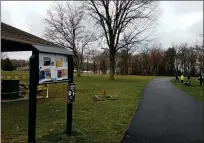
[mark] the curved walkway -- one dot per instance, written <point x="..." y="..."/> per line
<point x="166" y="115"/>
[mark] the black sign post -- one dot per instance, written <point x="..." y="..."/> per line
<point x="71" y="98"/>
<point x="33" y="83"/>
<point x="69" y="104"/>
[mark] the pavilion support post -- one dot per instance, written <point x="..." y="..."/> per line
<point x="33" y="82"/>
<point x="70" y="105"/>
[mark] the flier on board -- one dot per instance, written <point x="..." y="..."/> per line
<point x="52" y="67"/>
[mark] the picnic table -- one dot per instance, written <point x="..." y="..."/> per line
<point x="40" y="88"/>
<point x="25" y="85"/>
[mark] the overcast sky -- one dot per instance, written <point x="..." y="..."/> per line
<point x="181" y="21"/>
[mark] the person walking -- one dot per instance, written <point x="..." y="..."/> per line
<point x="182" y="78"/>
<point x="177" y="77"/>
<point x="189" y="78"/>
<point x="201" y="79"/>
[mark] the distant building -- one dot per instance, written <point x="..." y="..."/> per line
<point x="88" y="72"/>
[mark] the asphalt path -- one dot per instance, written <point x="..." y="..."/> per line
<point x="166" y="115"/>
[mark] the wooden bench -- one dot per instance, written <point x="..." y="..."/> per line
<point x="43" y="87"/>
<point x="40" y="88"/>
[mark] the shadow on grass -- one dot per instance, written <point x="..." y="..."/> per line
<point x="62" y="137"/>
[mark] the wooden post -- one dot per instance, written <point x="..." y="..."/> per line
<point x="33" y="82"/>
<point x="69" y="105"/>
<point x="47" y="91"/>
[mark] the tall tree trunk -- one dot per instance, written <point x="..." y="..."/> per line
<point x="78" y="67"/>
<point x="112" y="66"/>
<point x="87" y="65"/>
<point x="94" y="68"/>
<point x="126" y="66"/>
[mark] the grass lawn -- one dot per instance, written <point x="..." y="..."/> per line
<point x="194" y="89"/>
<point x="12" y="74"/>
<point x="93" y="121"/>
<point x="15" y="73"/>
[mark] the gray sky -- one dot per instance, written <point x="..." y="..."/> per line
<point x="181" y="21"/>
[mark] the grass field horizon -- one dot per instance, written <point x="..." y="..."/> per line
<point x="93" y="121"/>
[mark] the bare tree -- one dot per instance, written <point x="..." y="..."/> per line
<point x="87" y="59"/>
<point x="95" y="60"/>
<point x="183" y="57"/>
<point x="199" y="47"/>
<point x="115" y="17"/>
<point x="156" y="57"/>
<point x="103" y="61"/>
<point x="140" y="63"/>
<point x="170" y="62"/>
<point x="126" y="52"/>
<point x="65" y="27"/>
<point x="177" y="58"/>
<point x="145" y="60"/>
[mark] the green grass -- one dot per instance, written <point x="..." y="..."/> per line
<point x="194" y="89"/>
<point x="93" y="121"/>
<point x="15" y="73"/>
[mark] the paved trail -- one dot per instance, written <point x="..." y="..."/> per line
<point x="166" y="115"/>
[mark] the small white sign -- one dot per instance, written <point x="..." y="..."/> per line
<point x="71" y="93"/>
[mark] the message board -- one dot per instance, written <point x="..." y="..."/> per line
<point x="52" y="67"/>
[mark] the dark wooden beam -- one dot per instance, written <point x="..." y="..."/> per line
<point x="12" y="46"/>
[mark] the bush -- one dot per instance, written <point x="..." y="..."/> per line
<point x="7" y="65"/>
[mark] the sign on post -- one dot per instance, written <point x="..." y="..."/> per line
<point x="52" y="67"/>
<point x="71" y="93"/>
